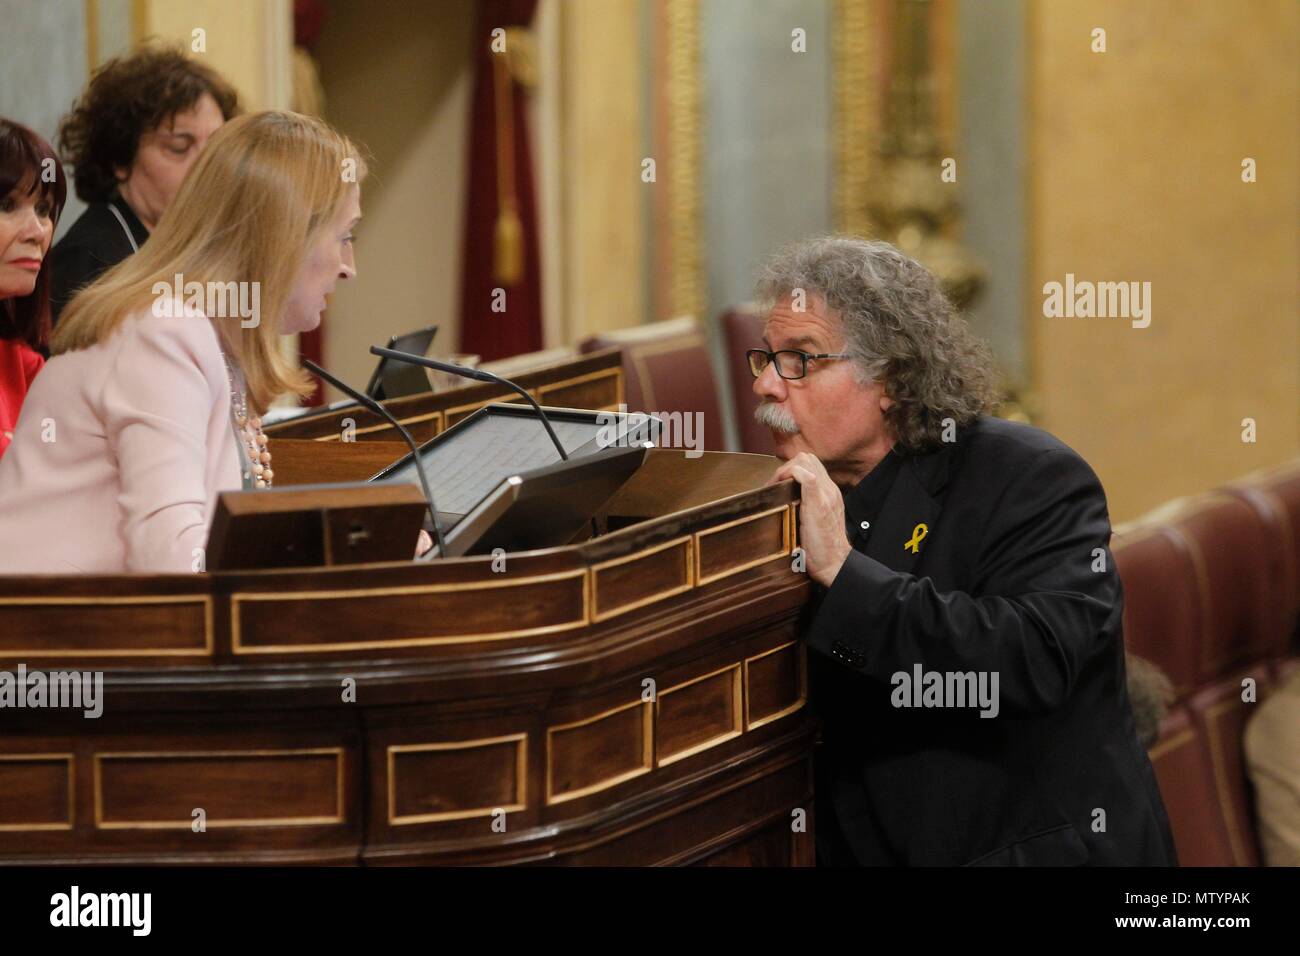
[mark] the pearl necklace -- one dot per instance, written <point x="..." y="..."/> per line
<point x="250" y="432"/>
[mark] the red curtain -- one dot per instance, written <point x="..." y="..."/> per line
<point x="491" y="230"/>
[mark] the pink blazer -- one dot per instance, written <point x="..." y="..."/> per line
<point x="119" y="453"/>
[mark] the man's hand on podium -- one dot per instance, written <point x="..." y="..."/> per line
<point x="424" y="543"/>
<point x="821" y="516"/>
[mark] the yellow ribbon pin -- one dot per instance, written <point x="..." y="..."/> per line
<point x="918" y="535"/>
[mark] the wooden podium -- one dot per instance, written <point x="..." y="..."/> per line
<point x="637" y="698"/>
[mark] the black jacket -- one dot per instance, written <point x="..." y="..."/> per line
<point x="95" y="242"/>
<point x="1013" y="575"/>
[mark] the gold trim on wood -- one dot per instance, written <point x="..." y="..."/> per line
<point x="615" y="372"/>
<point x="647" y="753"/>
<point x="783" y="510"/>
<point x="239" y="597"/>
<point x="371" y="429"/>
<point x="204" y="599"/>
<point x="737" y="709"/>
<point x="72" y="793"/>
<point x="521" y="780"/>
<point x="803" y="687"/>
<point x="598" y="615"/>
<point x="263" y="822"/>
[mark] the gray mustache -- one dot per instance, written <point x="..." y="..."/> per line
<point x="773" y="416"/>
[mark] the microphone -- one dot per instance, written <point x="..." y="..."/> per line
<point x="388" y="416"/>
<point x="478" y="375"/>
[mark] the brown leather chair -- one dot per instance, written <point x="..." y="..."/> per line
<point x="1229" y="545"/>
<point x="1162" y="606"/>
<point x="1276" y="493"/>
<point x="666" y="368"/>
<point x="1186" y="779"/>
<point x="743" y="329"/>
<point x="1220" y="716"/>
<point x="1210" y="592"/>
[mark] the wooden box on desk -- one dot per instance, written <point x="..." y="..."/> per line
<point x="315" y="526"/>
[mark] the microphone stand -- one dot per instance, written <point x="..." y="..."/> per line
<point x="368" y="402"/>
<point x="410" y="358"/>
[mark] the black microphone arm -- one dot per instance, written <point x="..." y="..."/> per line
<point x="475" y="373"/>
<point x="385" y="414"/>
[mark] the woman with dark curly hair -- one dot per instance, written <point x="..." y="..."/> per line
<point x="32" y="193"/>
<point x="130" y="139"/>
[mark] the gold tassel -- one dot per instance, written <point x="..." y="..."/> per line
<point x="508" y="244"/>
<point x="508" y="251"/>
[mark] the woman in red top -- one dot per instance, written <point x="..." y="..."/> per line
<point x="32" y="192"/>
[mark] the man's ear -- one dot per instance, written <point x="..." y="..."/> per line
<point x="886" y="402"/>
<point x="121" y="173"/>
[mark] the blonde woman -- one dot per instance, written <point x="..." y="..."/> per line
<point x="159" y="372"/>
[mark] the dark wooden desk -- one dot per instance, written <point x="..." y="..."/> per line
<point x="634" y="699"/>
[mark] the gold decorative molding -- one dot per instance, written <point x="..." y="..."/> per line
<point x="72" y="791"/>
<point x="382" y="426"/>
<point x="205" y="600"/>
<point x="519" y="802"/>
<point x="856" y="113"/>
<point x="238" y="598"/>
<point x="799" y="701"/>
<point x="101" y="824"/>
<point x="683" y="98"/>
<point x="737" y="696"/>
<point x="701" y="580"/>
<point x="644" y="765"/>
<point x="599" y="614"/>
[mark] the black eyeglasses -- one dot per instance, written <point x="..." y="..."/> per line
<point x="790" y="363"/>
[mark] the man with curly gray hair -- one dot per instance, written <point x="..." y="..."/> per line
<point x="967" y="654"/>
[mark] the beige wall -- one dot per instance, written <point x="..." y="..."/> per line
<point x="1135" y="174"/>
<point x="398" y="78"/>
<point x="601" y="147"/>
<point x="248" y="41"/>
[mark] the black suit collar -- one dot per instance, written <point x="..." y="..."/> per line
<point x="897" y="538"/>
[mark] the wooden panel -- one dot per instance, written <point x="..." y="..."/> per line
<point x="424" y="414"/>
<point x="302" y="461"/>
<point x="744" y="543"/>
<point x="91" y="627"/>
<point x="454" y="780"/>
<point x="419" y="615"/>
<point x="36" y="792"/>
<point x="697" y="715"/>
<point x="234" y="788"/>
<point x="638" y="579"/>
<point x="775" y="685"/>
<point x="602" y="389"/>
<point x="597" y="753"/>
<point x="771" y="846"/>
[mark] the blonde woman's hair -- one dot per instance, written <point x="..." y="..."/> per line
<point x="248" y="211"/>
